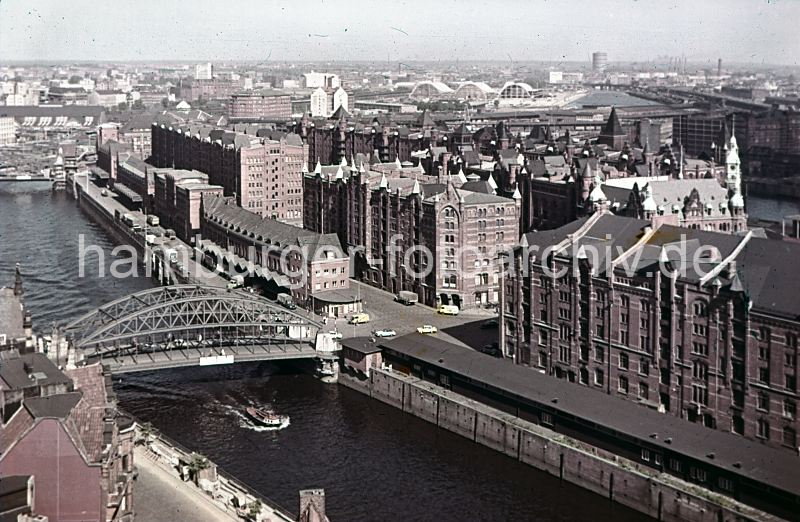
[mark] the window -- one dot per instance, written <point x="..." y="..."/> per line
<point x="675" y="465"/>
<point x="700" y="394"/>
<point x="564" y="354"/>
<point x="763" y="353"/>
<point x="699" y="329"/>
<point x="623" y="318"/>
<point x="565" y="313"/>
<point x="726" y="484"/>
<point x="763" y="375"/>
<point x="583" y="376"/>
<point x="644" y="366"/>
<point x="547" y="418"/>
<point x="789" y="436"/>
<point x="789" y="359"/>
<point x="762" y="401"/>
<point x="699" y="370"/>
<point x="623" y="361"/>
<point x="599" y="377"/>
<point x="763" y="429"/>
<point x="738" y="425"/>
<point x="697" y="474"/>
<point x="623" y="385"/>
<point x="599" y="354"/>
<point x="644" y="391"/>
<point x="791" y="382"/>
<point x="565" y="332"/>
<point x="623" y="337"/>
<point x="699" y="348"/>
<point x="544" y="336"/>
<point x="764" y="334"/>
<point x="646" y="455"/>
<point x="789" y="408"/>
<point x="699" y="309"/>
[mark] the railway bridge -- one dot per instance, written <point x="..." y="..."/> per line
<point x="189" y="325"/>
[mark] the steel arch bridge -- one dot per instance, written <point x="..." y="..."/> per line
<point x="189" y="325"/>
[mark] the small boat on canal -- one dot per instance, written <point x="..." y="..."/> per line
<point x="266" y="418"/>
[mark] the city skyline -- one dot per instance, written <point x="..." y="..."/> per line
<point x="282" y="31"/>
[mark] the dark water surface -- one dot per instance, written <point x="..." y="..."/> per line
<point x="374" y="462"/>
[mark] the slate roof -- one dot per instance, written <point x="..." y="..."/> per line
<point x="53" y="406"/>
<point x="216" y="207"/>
<point x="758" y="461"/>
<point x="16" y="371"/>
<point x="86" y="422"/>
<point x="612" y="126"/>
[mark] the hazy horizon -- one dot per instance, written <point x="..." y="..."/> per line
<point x="738" y="31"/>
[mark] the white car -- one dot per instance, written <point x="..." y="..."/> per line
<point x="384" y="333"/>
<point x="427" y="329"/>
<point x="336" y="334"/>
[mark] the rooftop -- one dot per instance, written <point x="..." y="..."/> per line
<point x="757" y="461"/>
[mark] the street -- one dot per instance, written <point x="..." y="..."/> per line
<point x="385" y="313"/>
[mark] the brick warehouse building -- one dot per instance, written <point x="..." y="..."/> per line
<point x="718" y="347"/>
<point x="463" y="230"/>
<point x="342" y="137"/>
<point x="265" y="175"/>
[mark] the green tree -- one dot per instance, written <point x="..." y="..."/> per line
<point x="254" y="509"/>
<point x="146" y="433"/>
<point x="196" y="464"/>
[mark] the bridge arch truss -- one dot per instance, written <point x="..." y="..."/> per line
<point x="173" y="318"/>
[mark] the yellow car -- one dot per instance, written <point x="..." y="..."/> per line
<point x="359" y="319"/>
<point x="447" y="310"/>
<point x="427" y="329"/>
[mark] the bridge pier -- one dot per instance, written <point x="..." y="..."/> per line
<point x="327" y="369"/>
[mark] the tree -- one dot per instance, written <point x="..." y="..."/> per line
<point x="146" y="433"/>
<point x="138" y="105"/>
<point x="123" y="106"/>
<point x="197" y="464"/>
<point x="254" y="509"/>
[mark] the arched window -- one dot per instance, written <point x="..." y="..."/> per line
<point x="700" y="309"/>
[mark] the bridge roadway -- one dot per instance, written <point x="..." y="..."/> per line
<point x="192" y="356"/>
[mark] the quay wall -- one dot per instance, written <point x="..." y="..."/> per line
<point x="102" y="209"/>
<point x="658" y="495"/>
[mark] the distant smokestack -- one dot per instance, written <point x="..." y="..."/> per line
<point x="719" y="67"/>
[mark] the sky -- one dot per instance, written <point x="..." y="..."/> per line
<point x="740" y="31"/>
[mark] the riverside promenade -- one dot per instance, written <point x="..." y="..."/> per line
<point x="162" y="497"/>
<point x="167" y="490"/>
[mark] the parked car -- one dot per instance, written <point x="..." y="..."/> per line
<point x="489" y="324"/>
<point x="359" y="319"/>
<point x="384" y="333"/>
<point x="336" y="334"/>
<point x="491" y="349"/>
<point x="447" y="310"/>
<point x="407" y="298"/>
<point x="427" y="329"/>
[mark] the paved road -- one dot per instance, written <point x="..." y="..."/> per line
<point x="161" y="497"/>
<point x="384" y="312"/>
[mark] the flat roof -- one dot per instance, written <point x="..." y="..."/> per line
<point x="361" y="344"/>
<point x="759" y="462"/>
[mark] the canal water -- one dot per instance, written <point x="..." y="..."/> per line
<point x="374" y="462"/>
